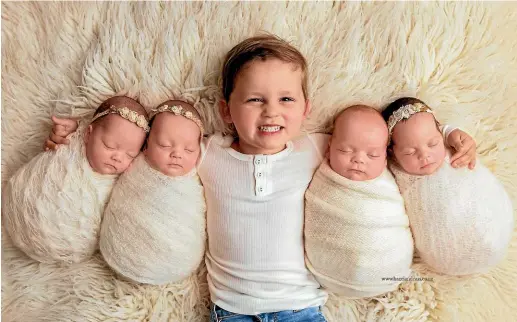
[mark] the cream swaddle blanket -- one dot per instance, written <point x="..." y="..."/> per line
<point x="52" y="206"/>
<point x="461" y="219"/>
<point x="356" y="233"/>
<point x="153" y="229"/>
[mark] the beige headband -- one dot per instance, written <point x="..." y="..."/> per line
<point x="180" y="111"/>
<point x="126" y="113"/>
<point x="405" y="112"/>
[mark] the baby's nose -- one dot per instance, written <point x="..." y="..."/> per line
<point x="357" y="159"/>
<point x="116" y="157"/>
<point x="175" y="153"/>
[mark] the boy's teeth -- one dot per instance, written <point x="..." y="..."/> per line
<point x="270" y="128"/>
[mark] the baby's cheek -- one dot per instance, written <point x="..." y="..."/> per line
<point x="338" y="163"/>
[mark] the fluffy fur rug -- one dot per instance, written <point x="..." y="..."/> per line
<point x="65" y="58"/>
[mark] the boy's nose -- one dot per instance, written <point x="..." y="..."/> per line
<point x="271" y="109"/>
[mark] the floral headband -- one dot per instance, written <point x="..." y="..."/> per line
<point x="126" y="113"/>
<point x="180" y="111"/>
<point x="405" y="112"/>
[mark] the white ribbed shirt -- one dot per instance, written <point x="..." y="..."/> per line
<point x="255" y="217"/>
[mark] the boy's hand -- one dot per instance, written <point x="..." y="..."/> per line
<point x="61" y="129"/>
<point x="465" y="148"/>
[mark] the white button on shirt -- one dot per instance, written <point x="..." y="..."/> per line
<point x="255" y="255"/>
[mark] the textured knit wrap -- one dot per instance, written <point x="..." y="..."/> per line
<point x="52" y="206"/>
<point x="153" y="230"/>
<point x="461" y="219"/>
<point x="356" y="233"/>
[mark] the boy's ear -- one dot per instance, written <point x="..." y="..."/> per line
<point x="87" y="134"/>
<point x="224" y="110"/>
<point x="307" y="108"/>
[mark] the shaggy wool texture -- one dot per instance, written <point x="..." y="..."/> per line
<point x="356" y="233"/>
<point x="52" y="206"/>
<point x="153" y="229"/>
<point x="67" y="57"/>
<point x="461" y="219"/>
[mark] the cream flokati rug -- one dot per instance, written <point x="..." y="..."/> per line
<point x="65" y="58"/>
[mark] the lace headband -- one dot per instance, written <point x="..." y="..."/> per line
<point x="178" y="110"/>
<point x="405" y="112"/>
<point x="126" y="113"/>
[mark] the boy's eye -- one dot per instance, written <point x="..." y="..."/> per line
<point x="344" y="151"/>
<point x="131" y="156"/>
<point x="433" y="144"/>
<point x="373" y="155"/>
<point x="163" y="145"/>
<point x="255" y="99"/>
<point x="189" y="151"/>
<point x="409" y="152"/>
<point x="287" y="99"/>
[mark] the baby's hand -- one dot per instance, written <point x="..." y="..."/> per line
<point x="465" y="148"/>
<point x="61" y="129"/>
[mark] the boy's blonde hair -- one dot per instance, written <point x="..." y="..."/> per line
<point x="260" y="47"/>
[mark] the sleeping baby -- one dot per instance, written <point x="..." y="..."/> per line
<point x="356" y="228"/>
<point x="461" y="219"/>
<point x="52" y="206"/>
<point x="153" y="229"/>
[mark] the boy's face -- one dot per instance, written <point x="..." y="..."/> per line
<point x="418" y="145"/>
<point x="358" y="146"/>
<point x="267" y="106"/>
<point x="173" y="145"/>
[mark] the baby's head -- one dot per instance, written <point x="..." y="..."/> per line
<point x="416" y="141"/>
<point x="173" y="146"/>
<point x="115" y="135"/>
<point x="265" y="93"/>
<point x="357" y="148"/>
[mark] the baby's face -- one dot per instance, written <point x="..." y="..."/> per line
<point x="358" y="146"/>
<point x="112" y="144"/>
<point x="173" y="146"/>
<point x="418" y="145"/>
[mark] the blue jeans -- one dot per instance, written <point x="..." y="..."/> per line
<point x="312" y="314"/>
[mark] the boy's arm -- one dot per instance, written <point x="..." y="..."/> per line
<point x="463" y="145"/>
<point x="60" y="130"/>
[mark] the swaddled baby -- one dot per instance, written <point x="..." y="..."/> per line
<point x="52" y="206"/>
<point x="461" y="219"/>
<point x="153" y="229"/>
<point x="356" y="228"/>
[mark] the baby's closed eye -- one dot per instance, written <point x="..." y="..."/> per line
<point x="108" y="146"/>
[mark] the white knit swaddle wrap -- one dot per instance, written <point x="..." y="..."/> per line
<point x="461" y="219"/>
<point x="53" y="205"/>
<point x="356" y="233"/>
<point x="153" y="229"/>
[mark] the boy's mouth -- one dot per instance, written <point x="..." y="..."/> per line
<point x="270" y="128"/>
